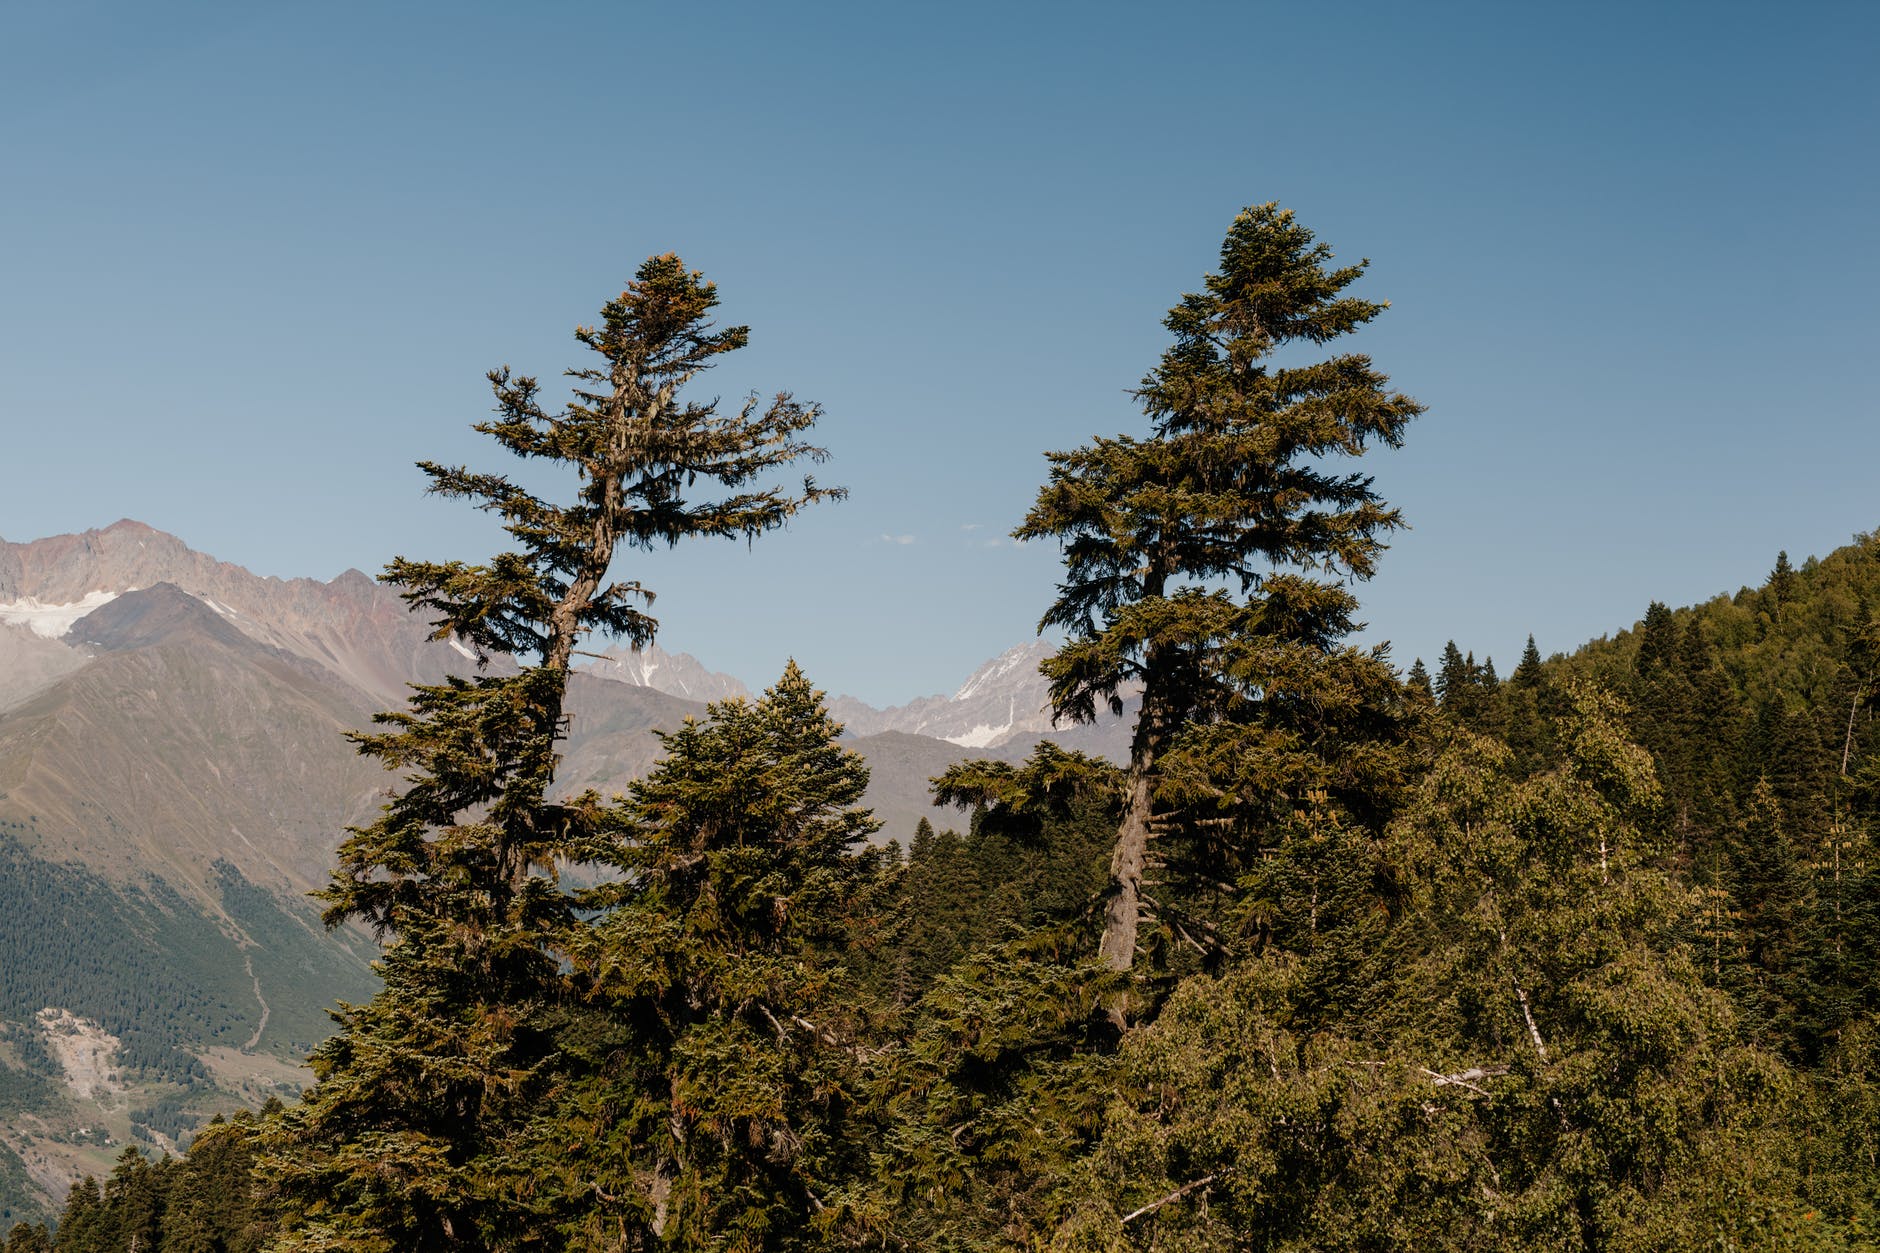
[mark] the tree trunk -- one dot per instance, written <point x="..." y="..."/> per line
<point x="1847" y="745"/>
<point x="1124" y="912"/>
<point x="1122" y="917"/>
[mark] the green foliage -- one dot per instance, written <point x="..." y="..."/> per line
<point x="1528" y="673"/>
<point x="22" y="1203"/>
<point x="301" y="977"/>
<point x="1758" y="712"/>
<point x="721" y="1025"/>
<point x="997" y="1087"/>
<point x="1231" y="480"/>
<point x="24" y="1237"/>
<point x="1529" y="1061"/>
<point x="23" y="1090"/>
<point x="1767" y="889"/>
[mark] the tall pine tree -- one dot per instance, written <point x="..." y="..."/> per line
<point x="1174" y="544"/>
<point x="400" y="1144"/>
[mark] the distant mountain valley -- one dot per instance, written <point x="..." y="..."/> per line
<point x="175" y="775"/>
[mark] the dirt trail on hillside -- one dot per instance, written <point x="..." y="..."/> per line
<point x="248" y="964"/>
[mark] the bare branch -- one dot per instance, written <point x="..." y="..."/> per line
<point x="1170" y="1199"/>
<point x="1465" y="1078"/>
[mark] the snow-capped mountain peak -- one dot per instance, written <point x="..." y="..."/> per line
<point x="1015" y="667"/>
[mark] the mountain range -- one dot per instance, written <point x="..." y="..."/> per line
<point x="175" y="774"/>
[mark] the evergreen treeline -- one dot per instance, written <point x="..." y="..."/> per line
<point x="1340" y="960"/>
<point x="202" y="1203"/>
<point x="1759" y="711"/>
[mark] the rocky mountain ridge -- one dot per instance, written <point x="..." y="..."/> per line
<point x="1003" y="703"/>
<point x="351" y="625"/>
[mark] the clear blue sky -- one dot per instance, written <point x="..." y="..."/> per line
<point x="258" y="257"/>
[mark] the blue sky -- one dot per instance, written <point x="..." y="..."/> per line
<point x="258" y="259"/>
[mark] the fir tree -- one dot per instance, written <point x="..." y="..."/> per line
<point x="133" y="1203"/>
<point x="1781" y="585"/>
<point x="1661" y="698"/>
<point x="1838" y="976"/>
<point x="1231" y="484"/>
<point x="1452" y="678"/>
<point x="212" y="1205"/>
<point x="29" y="1238"/>
<point x="1768" y="896"/>
<point x="715" y="1107"/>
<point x="402" y="1142"/>
<point x="1528" y="673"/>
<point x="1711" y="718"/>
<point x="82" y="1222"/>
<point x="1658" y="641"/>
<point x="1785" y="748"/>
<point x="1518" y="718"/>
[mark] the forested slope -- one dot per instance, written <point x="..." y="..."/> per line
<point x="1760" y="713"/>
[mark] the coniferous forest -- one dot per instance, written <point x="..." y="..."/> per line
<point x="1347" y="955"/>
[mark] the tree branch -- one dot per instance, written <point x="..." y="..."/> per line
<point x="1170" y="1199"/>
<point x="1465" y="1078"/>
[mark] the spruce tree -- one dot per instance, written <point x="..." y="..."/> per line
<point x="1768" y="891"/>
<point x="1452" y="678"/>
<point x="133" y="1203"/>
<point x="1518" y="717"/>
<point x="1782" y="585"/>
<point x="714" y="1107"/>
<point x="1658" y="641"/>
<point x="1661" y="700"/>
<point x="29" y="1238"/>
<point x="1176" y="544"/>
<point x="401" y="1143"/>
<point x="1528" y="673"/>
<point x="82" y="1222"/>
<point x="1711" y="719"/>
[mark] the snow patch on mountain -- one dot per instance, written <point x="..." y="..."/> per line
<point x="52" y="620"/>
<point x="675" y="674"/>
<point x="981" y="736"/>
